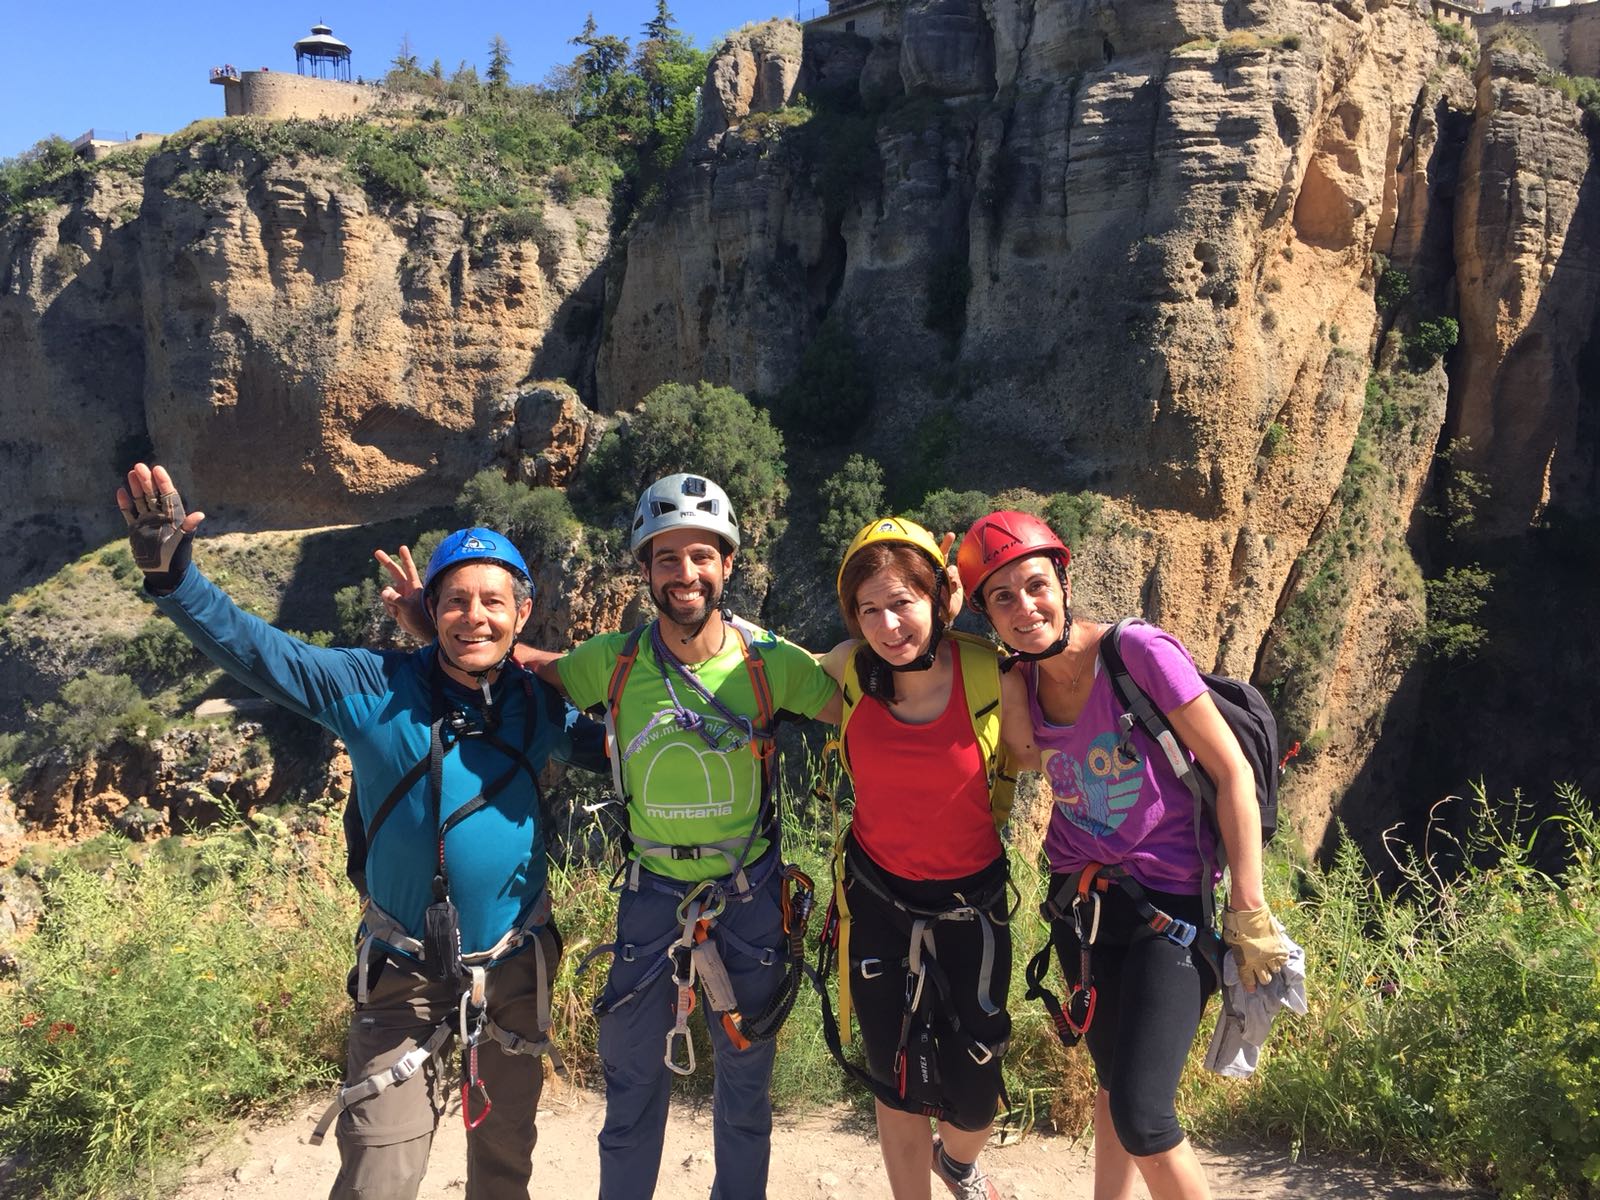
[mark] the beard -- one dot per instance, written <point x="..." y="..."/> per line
<point x="688" y="615"/>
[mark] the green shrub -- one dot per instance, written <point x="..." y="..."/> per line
<point x="205" y="188"/>
<point x="538" y="519"/>
<point x="1394" y="285"/>
<point x="1075" y="516"/>
<point x="387" y="174"/>
<point x="1432" y="340"/>
<point x="1453" y="1023"/>
<point x="947" y="511"/>
<point x="1454" y="601"/>
<point x="831" y="395"/>
<point x="1582" y="90"/>
<point x="1275" y="441"/>
<point x="711" y="431"/>
<point x="518" y="225"/>
<point x="159" y="652"/>
<point x="94" y="711"/>
<point x="122" y="1037"/>
<point x="118" y="559"/>
<point x="851" y="496"/>
<point x="35" y="175"/>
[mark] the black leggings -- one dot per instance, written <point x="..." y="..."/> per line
<point x="1150" y="997"/>
<point x="968" y="1091"/>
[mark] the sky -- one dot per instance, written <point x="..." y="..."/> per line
<point x="123" y="67"/>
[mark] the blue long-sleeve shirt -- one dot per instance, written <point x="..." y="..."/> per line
<point x="382" y="705"/>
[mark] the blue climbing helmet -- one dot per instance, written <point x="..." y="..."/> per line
<point x="476" y="544"/>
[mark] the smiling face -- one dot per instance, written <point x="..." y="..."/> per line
<point x="895" y="617"/>
<point x="686" y="570"/>
<point x="1026" y="603"/>
<point x="478" y="616"/>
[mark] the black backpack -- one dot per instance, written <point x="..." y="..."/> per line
<point x="1242" y="707"/>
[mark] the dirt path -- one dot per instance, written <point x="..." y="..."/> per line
<point x="820" y="1157"/>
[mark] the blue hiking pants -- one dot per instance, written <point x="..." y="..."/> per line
<point x="633" y="1039"/>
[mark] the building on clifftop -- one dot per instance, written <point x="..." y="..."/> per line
<point x="320" y="87"/>
<point x="863" y="17"/>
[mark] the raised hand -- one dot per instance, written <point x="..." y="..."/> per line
<point x="159" y="532"/>
<point x="402" y="598"/>
<point x="953" y="576"/>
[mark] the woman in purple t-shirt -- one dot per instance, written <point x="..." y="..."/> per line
<point x="1122" y="835"/>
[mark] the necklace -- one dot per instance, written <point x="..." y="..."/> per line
<point x="721" y="646"/>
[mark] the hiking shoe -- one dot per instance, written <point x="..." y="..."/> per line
<point x="976" y="1186"/>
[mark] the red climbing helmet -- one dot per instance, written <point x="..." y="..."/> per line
<point x="1002" y="538"/>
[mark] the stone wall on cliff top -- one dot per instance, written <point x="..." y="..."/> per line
<point x="294" y="352"/>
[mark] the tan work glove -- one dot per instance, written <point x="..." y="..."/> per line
<point x="1258" y="945"/>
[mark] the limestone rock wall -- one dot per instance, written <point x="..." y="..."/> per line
<point x="1169" y="215"/>
<point x="293" y="352"/>
<point x="1528" y="242"/>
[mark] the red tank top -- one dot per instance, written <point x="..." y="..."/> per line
<point x="922" y="792"/>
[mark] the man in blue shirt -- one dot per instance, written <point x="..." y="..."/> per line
<point x="445" y="742"/>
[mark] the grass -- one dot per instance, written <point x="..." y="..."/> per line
<point x="1452" y="1026"/>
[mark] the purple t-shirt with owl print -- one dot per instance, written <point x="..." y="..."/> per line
<point x="1109" y="809"/>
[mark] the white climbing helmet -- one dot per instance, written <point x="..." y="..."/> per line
<point x="683" y="502"/>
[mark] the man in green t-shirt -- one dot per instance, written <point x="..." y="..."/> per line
<point x="688" y="745"/>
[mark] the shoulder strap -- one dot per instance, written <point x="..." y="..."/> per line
<point x="1139" y="707"/>
<point x="980" y="680"/>
<point x="619" y="680"/>
<point x="766" y="710"/>
<point x="850" y="697"/>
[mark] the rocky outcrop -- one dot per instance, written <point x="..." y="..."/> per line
<point x="757" y="70"/>
<point x="1139" y="240"/>
<point x="183" y="778"/>
<point x="1528" y="249"/>
<point x="295" y="352"/>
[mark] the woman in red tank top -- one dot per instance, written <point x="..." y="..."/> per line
<point x="923" y="891"/>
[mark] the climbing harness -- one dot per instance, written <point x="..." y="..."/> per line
<point x="915" y="1064"/>
<point x="438" y="951"/>
<point x="689" y="950"/>
<point x="1078" y="899"/>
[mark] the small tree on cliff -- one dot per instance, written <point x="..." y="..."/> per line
<point x="499" y="73"/>
<point x="714" y="431"/>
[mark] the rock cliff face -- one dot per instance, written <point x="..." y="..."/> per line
<point x="1073" y="245"/>
<point x="300" y="356"/>
<point x="1155" y="226"/>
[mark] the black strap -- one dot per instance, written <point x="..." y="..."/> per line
<point x="431" y="765"/>
<point x="1140" y="707"/>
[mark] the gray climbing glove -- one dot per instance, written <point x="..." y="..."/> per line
<point x="161" y="548"/>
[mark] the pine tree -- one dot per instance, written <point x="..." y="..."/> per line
<point x="661" y="28"/>
<point x="499" y="74"/>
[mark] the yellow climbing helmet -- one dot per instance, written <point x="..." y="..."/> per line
<point x="890" y="529"/>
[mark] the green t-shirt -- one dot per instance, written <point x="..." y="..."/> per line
<point x="681" y="792"/>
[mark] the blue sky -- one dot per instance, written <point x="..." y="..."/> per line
<point x="124" y="67"/>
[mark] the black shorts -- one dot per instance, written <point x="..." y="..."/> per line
<point x="966" y="1089"/>
<point x="1151" y="993"/>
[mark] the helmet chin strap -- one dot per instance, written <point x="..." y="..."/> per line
<point x="481" y="678"/>
<point x="1054" y="648"/>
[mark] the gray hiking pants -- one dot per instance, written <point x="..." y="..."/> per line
<point x="633" y="1040"/>
<point x="384" y="1141"/>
